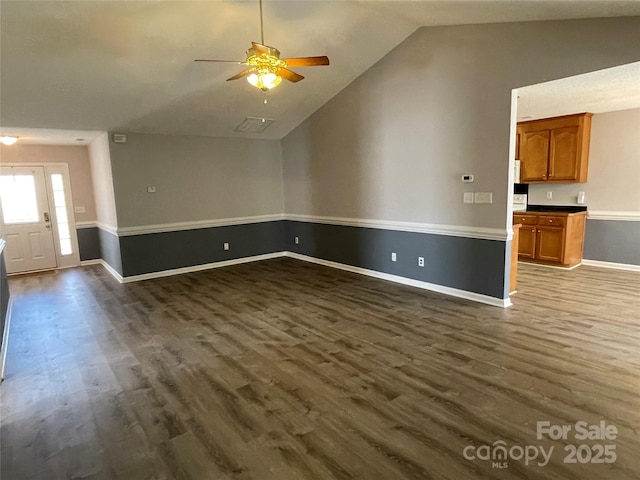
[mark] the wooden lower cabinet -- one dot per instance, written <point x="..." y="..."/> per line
<point x="527" y="245"/>
<point x="551" y="238"/>
<point x="550" y="243"/>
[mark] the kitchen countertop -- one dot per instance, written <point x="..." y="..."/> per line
<point x="555" y="209"/>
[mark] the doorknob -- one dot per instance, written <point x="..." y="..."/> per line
<point x="46" y="217"/>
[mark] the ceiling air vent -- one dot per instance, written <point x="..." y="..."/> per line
<point x="254" y="125"/>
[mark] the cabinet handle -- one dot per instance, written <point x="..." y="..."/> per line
<point x="550" y="221"/>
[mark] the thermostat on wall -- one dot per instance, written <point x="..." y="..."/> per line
<point x="467" y="178"/>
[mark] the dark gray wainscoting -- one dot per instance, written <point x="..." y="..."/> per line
<point x="470" y="264"/>
<point x="88" y="243"/>
<point x="110" y="249"/>
<point x="4" y="295"/>
<point x="156" y="252"/>
<point x="612" y="241"/>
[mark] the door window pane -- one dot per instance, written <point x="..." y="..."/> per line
<point x="59" y="201"/>
<point x="61" y="214"/>
<point x="19" y="201"/>
<point x="65" y="246"/>
<point x="56" y="182"/>
<point x="58" y="198"/>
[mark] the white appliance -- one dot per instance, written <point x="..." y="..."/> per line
<point x="519" y="202"/>
<point x="516" y="171"/>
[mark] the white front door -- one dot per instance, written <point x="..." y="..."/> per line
<point x="25" y="220"/>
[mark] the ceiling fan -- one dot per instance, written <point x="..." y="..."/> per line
<point x="266" y="68"/>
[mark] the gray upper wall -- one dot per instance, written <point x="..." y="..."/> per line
<point x="394" y="143"/>
<point x="196" y="178"/>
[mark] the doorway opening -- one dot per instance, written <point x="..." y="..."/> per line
<point x="37" y="218"/>
<point x="565" y="183"/>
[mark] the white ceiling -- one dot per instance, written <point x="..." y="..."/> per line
<point x="608" y="90"/>
<point x="128" y="65"/>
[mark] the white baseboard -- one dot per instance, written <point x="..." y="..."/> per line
<point x="616" y="266"/>
<point x="198" y="268"/>
<point x="544" y="265"/>
<point x="454" y="292"/>
<point x="108" y="267"/>
<point x="179" y="271"/>
<point x="5" y="339"/>
<point x="97" y="261"/>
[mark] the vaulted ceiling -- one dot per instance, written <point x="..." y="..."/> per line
<point x="128" y="65"/>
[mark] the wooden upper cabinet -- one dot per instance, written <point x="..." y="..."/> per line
<point x="534" y="147"/>
<point x="554" y="149"/>
<point x="563" y="154"/>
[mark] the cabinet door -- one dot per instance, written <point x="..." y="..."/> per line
<point x="534" y="156"/>
<point x="550" y="244"/>
<point x="563" y="154"/>
<point x="527" y="242"/>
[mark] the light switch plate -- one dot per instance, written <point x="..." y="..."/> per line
<point x="483" y="197"/>
<point x="467" y="197"/>
<point x="151" y="189"/>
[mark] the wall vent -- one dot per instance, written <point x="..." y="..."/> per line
<point x="254" y="125"/>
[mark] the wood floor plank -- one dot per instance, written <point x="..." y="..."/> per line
<point x="285" y="370"/>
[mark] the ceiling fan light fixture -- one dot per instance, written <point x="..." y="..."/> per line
<point x="264" y="80"/>
<point x="8" y="140"/>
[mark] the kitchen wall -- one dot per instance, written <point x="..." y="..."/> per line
<point x="209" y="191"/>
<point x="614" y="167"/>
<point x="391" y="147"/>
<point x="612" y="192"/>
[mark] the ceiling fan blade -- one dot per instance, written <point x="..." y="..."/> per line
<point x="289" y="75"/>
<point x="220" y="61"/>
<point x="306" y="61"/>
<point x="241" y="74"/>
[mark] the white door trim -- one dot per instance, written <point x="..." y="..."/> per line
<point x="63" y="261"/>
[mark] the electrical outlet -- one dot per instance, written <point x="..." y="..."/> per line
<point x="549" y="195"/>
<point x="79" y="209"/>
<point x="225" y="245"/>
<point x="421" y="261"/>
<point x="151" y="189"/>
<point x="394" y="257"/>
<point x="297" y="240"/>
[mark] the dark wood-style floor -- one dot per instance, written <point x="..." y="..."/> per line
<point x="286" y="370"/>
